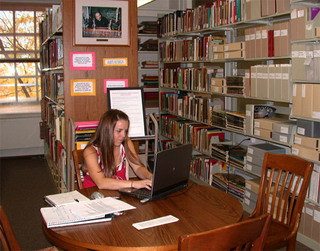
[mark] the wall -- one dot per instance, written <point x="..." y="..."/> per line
<point x="19" y="134"/>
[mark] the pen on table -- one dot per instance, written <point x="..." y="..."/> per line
<point x="76" y="200"/>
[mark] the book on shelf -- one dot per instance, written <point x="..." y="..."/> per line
<point x="83" y="212"/>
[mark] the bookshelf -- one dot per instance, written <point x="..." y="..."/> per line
<point x="202" y="89"/>
<point x="68" y="105"/>
<point x="148" y="62"/>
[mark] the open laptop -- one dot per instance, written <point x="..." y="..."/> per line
<point x="170" y="174"/>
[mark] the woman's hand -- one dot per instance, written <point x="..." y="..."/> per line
<point x="141" y="184"/>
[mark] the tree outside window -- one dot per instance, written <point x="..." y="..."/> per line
<point x="19" y="56"/>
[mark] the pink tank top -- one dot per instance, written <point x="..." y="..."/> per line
<point x="120" y="169"/>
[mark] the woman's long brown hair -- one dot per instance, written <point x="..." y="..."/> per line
<point x="104" y="140"/>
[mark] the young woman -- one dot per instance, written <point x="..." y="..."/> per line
<point x="110" y="154"/>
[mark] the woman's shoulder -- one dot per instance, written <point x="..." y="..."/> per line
<point x="90" y="150"/>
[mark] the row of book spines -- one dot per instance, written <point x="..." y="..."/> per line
<point x="53" y="86"/>
<point x="188" y="49"/>
<point x="198" y="134"/>
<point x="198" y="79"/>
<point x="205" y="16"/>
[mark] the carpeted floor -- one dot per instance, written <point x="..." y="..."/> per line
<point x="23" y="183"/>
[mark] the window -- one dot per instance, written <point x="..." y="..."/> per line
<point x="19" y="56"/>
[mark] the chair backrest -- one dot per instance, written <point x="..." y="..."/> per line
<point x="283" y="187"/>
<point x="77" y="162"/>
<point x="7" y="237"/>
<point x="245" y="235"/>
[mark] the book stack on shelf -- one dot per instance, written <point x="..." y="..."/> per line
<point x="149" y="45"/>
<point x="84" y="130"/>
<point x="148" y="27"/>
<point x="149" y="64"/>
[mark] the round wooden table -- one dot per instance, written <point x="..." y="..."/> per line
<point x="199" y="208"/>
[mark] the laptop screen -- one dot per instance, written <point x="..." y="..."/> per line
<point x="171" y="170"/>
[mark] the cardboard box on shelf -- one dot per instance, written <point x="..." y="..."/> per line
<point x="309" y="142"/>
<point x="305" y="152"/>
<point x="234" y="46"/>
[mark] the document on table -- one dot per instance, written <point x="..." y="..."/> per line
<point x="83" y="211"/>
<point x="65" y="198"/>
<point x="155" y="222"/>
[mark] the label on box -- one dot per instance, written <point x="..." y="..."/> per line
<point x="316" y="53"/>
<point x="293" y="14"/>
<point x="284" y="33"/>
<point x="284" y="129"/>
<point x="257" y="132"/>
<point x="249" y="158"/>
<point x="247" y="75"/>
<point x="247" y="201"/>
<point x="316" y="216"/>
<point x="277" y="33"/>
<point x="257" y="124"/>
<point x="297" y="140"/>
<point x="285" y="76"/>
<point x="308" y="27"/>
<point x="300" y="13"/>
<point x="248" y="186"/>
<point x="303" y="91"/>
<point x="264" y="34"/>
<point x="258" y="35"/>
<point x="294" y="54"/>
<point x="309" y="211"/>
<point x="295" y="151"/>
<point x="301" y="130"/>
<point x="283" y="139"/>
<point x="250" y="150"/>
<point x="316" y="115"/>
<point x="294" y="90"/>
<point x="248" y="113"/>
<point x="247" y="38"/>
<point x="247" y="193"/>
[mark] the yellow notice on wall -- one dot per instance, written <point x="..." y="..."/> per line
<point x="83" y="87"/>
<point x="115" y="62"/>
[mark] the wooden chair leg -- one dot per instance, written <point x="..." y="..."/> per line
<point x="292" y="243"/>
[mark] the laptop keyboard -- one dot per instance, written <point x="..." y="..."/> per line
<point x="142" y="193"/>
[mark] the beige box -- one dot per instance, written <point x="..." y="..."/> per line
<point x="264" y="41"/>
<point x="298" y="57"/>
<point x="248" y="10"/>
<point x="247" y="42"/>
<point x="305" y="152"/>
<point x="217" y="89"/>
<point x="286" y="127"/>
<point x="266" y="123"/>
<point x="296" y="100"/>
<point x="317" y="31"/>
<point x="234" y="46"/>
<point x="272" y="88"/>
<point x="253" y="185"/>
<point x="308" y="142"/>
<point x="297" y="21"/>
<point x="307" y="100"/>
<point x="277" y="81"/>
<point x="286" y="87"/>
<point x="247" y="83"/>
<point x="253" y="81"/>
<point x="277" y="39"/>
<point x="263" y="133"/>
<point x="285" y="38"/>
<point x="283" y="138"/>
<point x="264" y="8"/>
<point x="271" y="7"/>
<point x="218" y="48"/>
<point x="283" y="6"/>
<point x="255" y="9"/>
<point x="234" y="54"/>
<point x="316" y="102"/>
<point x="220" y="82"/>
<point x="258" y="42"/>
<point x="218" y="55"/>
<point x="311" y="25"/>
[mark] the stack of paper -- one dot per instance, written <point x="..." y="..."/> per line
<point x="83" y="212"/>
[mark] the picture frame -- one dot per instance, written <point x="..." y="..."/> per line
<point x="101" y="22"/>
<point x="129" y="100"/>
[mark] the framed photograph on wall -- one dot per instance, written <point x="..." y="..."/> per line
<point x="101" y="22"/>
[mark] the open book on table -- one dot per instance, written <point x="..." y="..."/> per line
<point x="83" y="212"/>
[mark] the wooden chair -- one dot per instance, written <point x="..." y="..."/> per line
<point x="245" y="235"/>
<point x="7" y="237"/>
<point x="283" y="187"/>
<point x="77" y="162"/>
